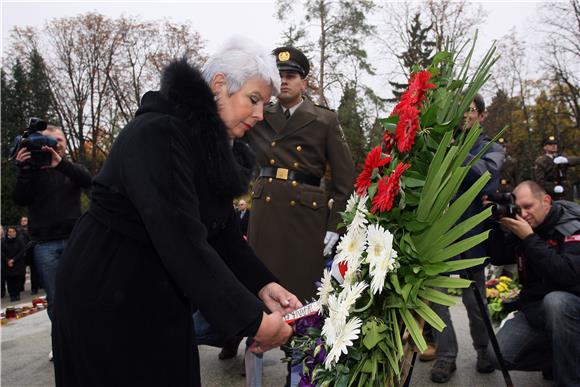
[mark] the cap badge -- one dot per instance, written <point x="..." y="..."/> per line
<point x="551" y="138"/>
<point x="283" y="56"/>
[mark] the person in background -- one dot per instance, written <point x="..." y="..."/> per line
<point x="13" y="267"/>
<point x="292" y="227"/>
<point x="161" y="240"/>
<point x="447" y="348"/>
<point x="243" y="213"/>
<point x="2" y="271"/>
<point x="53" y="197"/>
<point x="28" y="254"/>
<point x="509" y="176"/>
<point x="550" y="170"/>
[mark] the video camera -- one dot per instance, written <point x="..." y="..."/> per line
<point x="33" y="140"/>
<point x="503" y="205"/>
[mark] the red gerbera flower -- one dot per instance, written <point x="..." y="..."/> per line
<point x="387" y="189"/>
<point x="373" y="160"/>
<point x="388" y="141"/>
<point x="415" y="94"/>
<point x="407" y="128"/>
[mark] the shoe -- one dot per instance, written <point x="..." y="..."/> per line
<point x="50" y="357"/>
<point x="442" y="370"/>
<point x="12" y="299"/>
<point x="230" y="350"/>
<point x="483" y="364"/>
<point x="430" y="353"/>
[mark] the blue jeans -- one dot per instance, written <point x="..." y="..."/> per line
<point x="46" y="257"/>
<point x="528" y="348"/>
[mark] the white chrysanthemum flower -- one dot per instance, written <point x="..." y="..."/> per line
<point x="359" y="221"/>
<point x="351" y="246"/>
<point x="350" y="277"/>
<point x="362" y="204"/>
<point x="380" y="255"/>
<point x="345" y="337"/>
<point x="379" y="242"/>
<point x="352" y="202"/>
<point x="351" y="294"/>
<point x="325" y="288"/>
<point x="334" y="320"/>
<point x="379" y="268"/>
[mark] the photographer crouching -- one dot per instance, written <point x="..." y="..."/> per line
<point x="543" y="238"/>
<point x="50" y="186"/>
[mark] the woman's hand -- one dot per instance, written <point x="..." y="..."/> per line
<point x="272" y="333"/>
<point x="278" y="299"/>
<point x="10" y="263"/>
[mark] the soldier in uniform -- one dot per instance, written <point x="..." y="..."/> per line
<point x="509" y="171"/>
<point x="550" y="171"/>
<point x="292" y="227"/>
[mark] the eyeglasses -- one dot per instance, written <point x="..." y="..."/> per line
<point x="472" y="109"/>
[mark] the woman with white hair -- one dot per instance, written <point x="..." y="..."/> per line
<point x="160" y="239"/>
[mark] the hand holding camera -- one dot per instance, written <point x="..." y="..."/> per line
<point x="32" y="149"/>
<point x="518" y="226"/>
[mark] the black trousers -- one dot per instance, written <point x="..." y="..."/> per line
<point x="14" y="285"/>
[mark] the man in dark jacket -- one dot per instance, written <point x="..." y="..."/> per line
<point x="491" y="162"/>
<point x="545" y="243"/>
<point x="53" y="197"/>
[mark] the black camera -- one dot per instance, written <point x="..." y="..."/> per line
<point x="33" y="140"/>
<point x="503" y="205"/>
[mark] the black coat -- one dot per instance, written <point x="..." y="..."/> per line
<point x="548" y="260"/>
<point x="244" y="221"/>
<point x="13" y="248"/>
<point x="160" y="241"/>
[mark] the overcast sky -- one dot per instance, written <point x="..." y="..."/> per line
<point x="217" y="20"/>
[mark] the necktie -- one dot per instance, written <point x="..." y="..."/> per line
<point x="287" y="113"/>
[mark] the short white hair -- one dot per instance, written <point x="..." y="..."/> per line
<point x="240" y="60"/>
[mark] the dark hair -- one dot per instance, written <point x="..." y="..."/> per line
<point x="479" y="103"/>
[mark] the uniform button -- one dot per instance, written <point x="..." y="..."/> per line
<point x="299" y="148"/>
<point x="273" y="143"/>
<point x="272" y="162"/>
<point x="252" y="192"/>
<point x="292" y="203"/>
<point x="314" y="204"/>
<point x="296" y="165"/>
<point x="268" y="199"/>
<point x="269" y="180"/>
<point x="294" y="183"/>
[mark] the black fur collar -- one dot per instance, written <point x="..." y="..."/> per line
<point x="191" y="100"/>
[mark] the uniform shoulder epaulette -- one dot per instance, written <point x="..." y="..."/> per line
<point x="324" y="107"/>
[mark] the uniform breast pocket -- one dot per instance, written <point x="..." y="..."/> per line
<point x="257" y="191"/>
<point x="313" y="199"/>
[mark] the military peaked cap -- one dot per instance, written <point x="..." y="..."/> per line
<point x="550" y="140"/>
<point x="291" y="59"/>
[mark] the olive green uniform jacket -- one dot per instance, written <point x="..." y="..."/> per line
<point x="549" y="175"/>
<point x="289" y="219"/>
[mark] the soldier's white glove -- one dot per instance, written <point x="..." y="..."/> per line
<point x="558" y="189"/>
<point x="329" y="241"/>
<point x="561" y="160"/>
